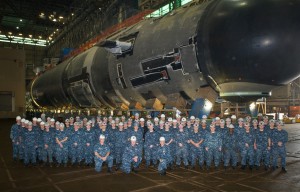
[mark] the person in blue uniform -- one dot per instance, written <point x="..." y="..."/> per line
<point x="30" y="143"/>
<point x="247" y="147"/>
<point x="102" y="154"/>
<point x="76" y="145"/>
<point x="196" y="149"/>
<point x="230" y="144"/>
<point x="89" y="140"/>
<point x="261" y="146"/>
<point x="120" y="144"/>
<point x="163" y="156"/>
<point x="61" y="140"/>
<point x="132" y="157"/>
<point x="169" y="140"/>
<point x="40" y="142"/>
<point x="150" y="145"/>
<point x="280" y="139"/>
<point x="48" y="146"/>
<point x="213" y="147"/>
<point x="182" y="140"/>
<point x="14" y="136"/>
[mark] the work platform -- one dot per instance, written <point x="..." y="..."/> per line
<point x="15" y="177"/>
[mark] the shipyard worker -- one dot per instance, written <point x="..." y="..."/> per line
<point x="150" y="145"/>
<point x="102" y="154"/>
<point x="230" y="145"/>
<point x="30" y="143"/>
<point x="132" y="156"/>
<point x="279" y="140"/>
<point x="163" y="156"/>
<point x="61" y="140"/>
<point x="14" y="136"/>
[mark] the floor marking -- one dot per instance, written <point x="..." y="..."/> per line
<point x="12" y="181"/>
<point x="50" y="180"/>
<point x="251" y="187"/>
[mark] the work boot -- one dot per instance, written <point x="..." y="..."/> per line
<point x="243" y="167"/>
<point x="225" y="167"/>
<point x="186" y="167"/>
<point x="251" y="167"/>
<point x="58" y="165"/>
<point x="273" y="168"/>
<point x="284" y="170"/>
<point x="266" y="168"/>
<point x="134" y="170"/>
<point x="233" y="167"/>
<point x="109" y="170"/>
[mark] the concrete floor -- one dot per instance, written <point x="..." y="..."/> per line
<point x="15" y="177"/>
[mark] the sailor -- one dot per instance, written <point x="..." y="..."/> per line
<point x="102" y="154"/>
<point x="132" y="156"/>
<point x="163" y="156"/>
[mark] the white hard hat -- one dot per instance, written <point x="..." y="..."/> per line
<point x="204" y="117"/>
<point x="192" y="117"/>
<point x="42" y="123"/>
<point x="132" y="138"/>
<point x="217" y="118"/>
<point x="156" y="119"/>
<point x="52" y="120"/>
<point x="102" y="136"/>
<point x="174" y="121"/>
<point x="233" y="116"/>
<point x="162" y="139"/>
<point x="39" y="120"/>
<point x="34" y="119"/>
<point x="231" y="126"/>
<point x="23" y="120"/>
<point x="18" y="118"/>
<point x="26" y="122"/>
<point x="142" y="119"/>
<point x="183" y="119"/>
<point x="162" y="115"/>
<point x="121" y="124"/>
<point x="170" y="119"/>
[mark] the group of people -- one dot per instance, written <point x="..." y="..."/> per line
<point x="165" y="143"/>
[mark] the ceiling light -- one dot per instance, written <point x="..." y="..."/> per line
<point x="20" y="34"/>
<point x="30" y="36"/>
<point x="9" y="33"/>
<point x="61" y="17"/>
<point x="57" y="29"/>
<point x="40" y="37"/>
<point x="54" y="20"/>
<point x="17" y="27"/>
<point x="21" y="20"/>
<point x="72" y="14"/>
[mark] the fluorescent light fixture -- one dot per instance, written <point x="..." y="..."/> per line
<point x="23" y="40"/>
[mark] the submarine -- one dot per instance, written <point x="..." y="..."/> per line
<point x="238" y="50"/>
